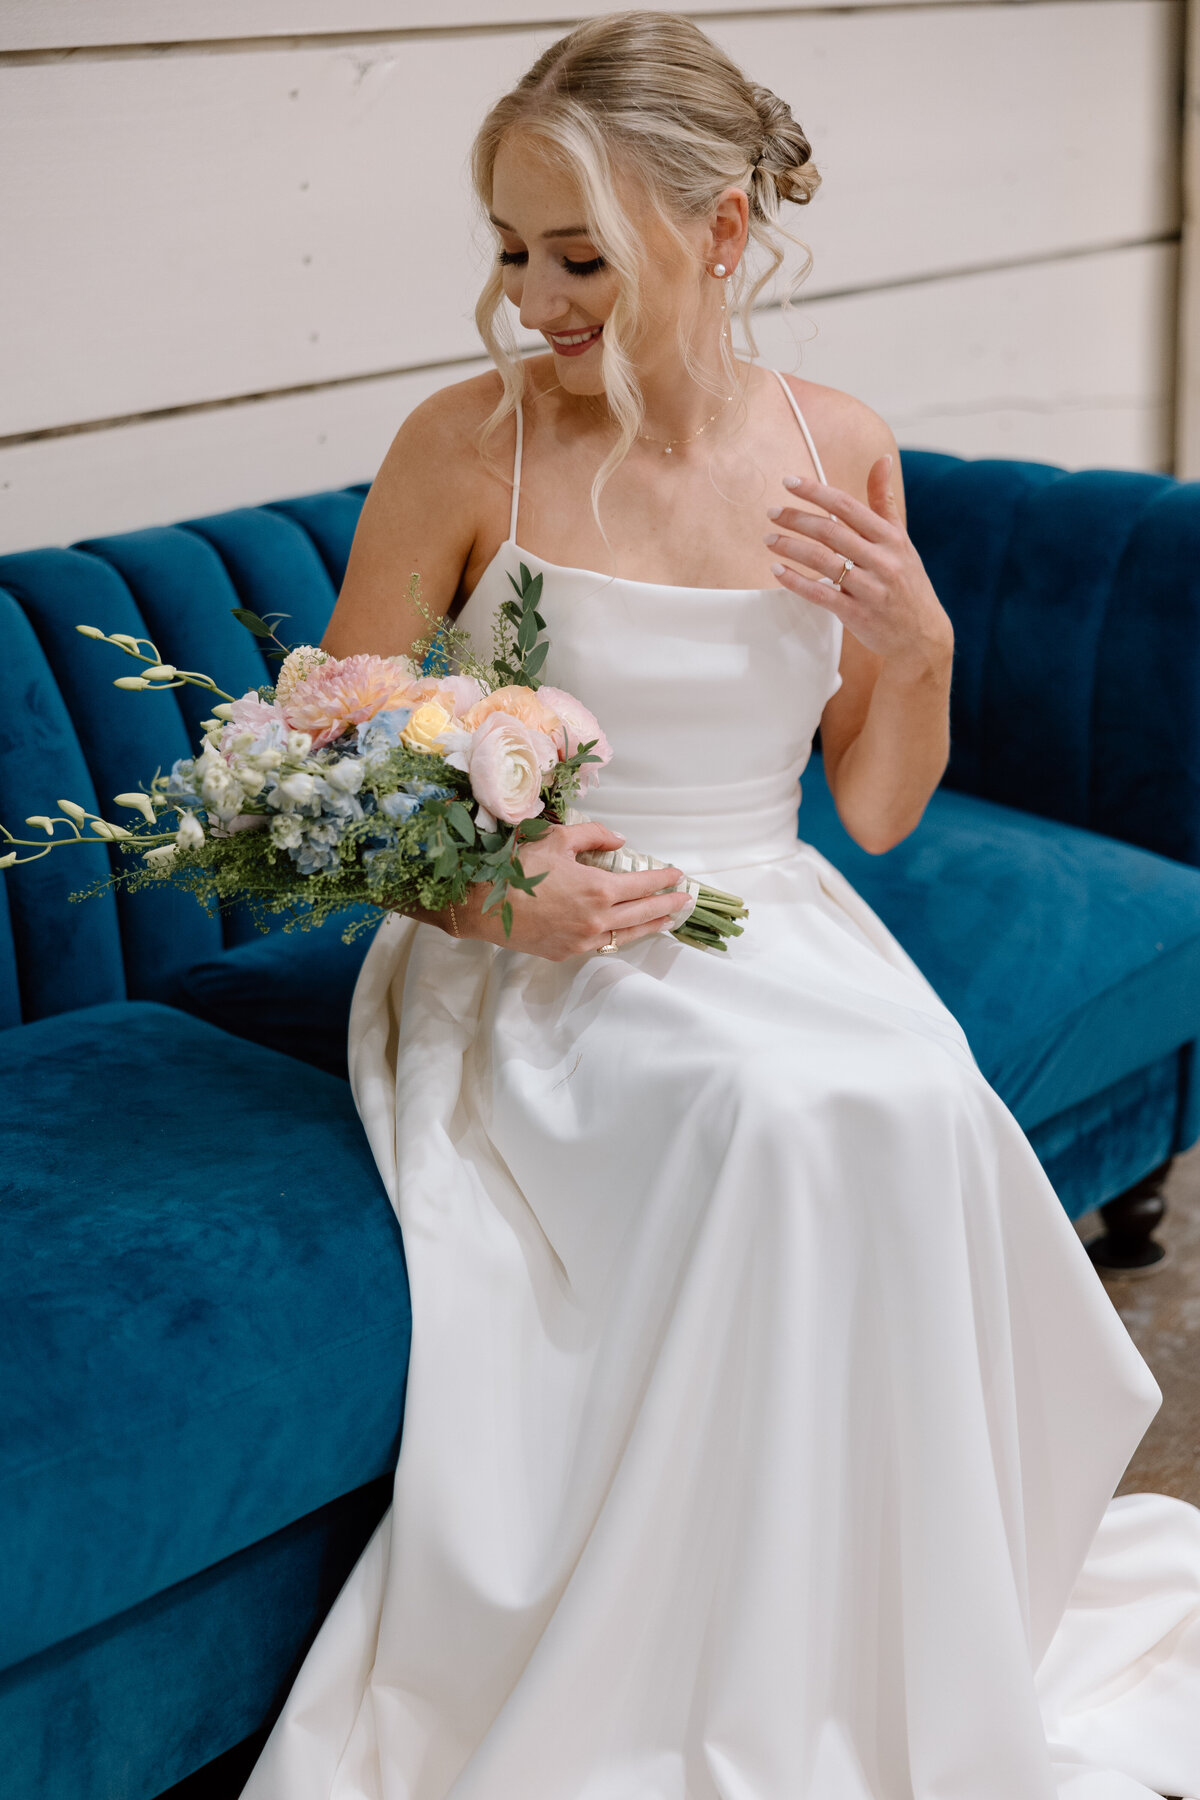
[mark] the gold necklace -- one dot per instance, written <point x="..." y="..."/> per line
<point x="667" y="445"/>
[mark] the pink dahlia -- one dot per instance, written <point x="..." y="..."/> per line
<point x="347" y="692"/>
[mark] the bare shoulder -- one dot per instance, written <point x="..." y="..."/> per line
<point x="849" y="434"/>
<point x="440" y="436"/>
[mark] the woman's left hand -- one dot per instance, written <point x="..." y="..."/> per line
<point x="885" y="599"/>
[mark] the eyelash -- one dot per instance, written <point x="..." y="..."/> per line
<point x="514" y="258"/>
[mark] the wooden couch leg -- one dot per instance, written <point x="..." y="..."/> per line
<point x="1130" y="1221"/>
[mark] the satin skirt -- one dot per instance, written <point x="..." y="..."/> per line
<point x="764" y="1409"/>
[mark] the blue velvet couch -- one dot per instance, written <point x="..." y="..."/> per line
<point x="204" y="1320"/>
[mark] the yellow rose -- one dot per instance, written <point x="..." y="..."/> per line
<point x="426" y="724"/>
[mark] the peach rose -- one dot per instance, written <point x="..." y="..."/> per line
<point x="519" y="703"/>
<point x="455" y="692"/>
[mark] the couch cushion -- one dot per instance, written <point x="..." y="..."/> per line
<point x="289" y="990"/>
<point x="1069" y="959"/>
<point x="124" y="1711"/>
<point x="204" y="1317"/>
<point x="1076" y="611"/>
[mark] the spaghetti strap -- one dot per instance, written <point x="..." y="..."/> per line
<point x="800" y="420"/>
<point x="516" y="483"/>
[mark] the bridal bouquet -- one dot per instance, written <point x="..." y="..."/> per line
<point x="388" y="780"/>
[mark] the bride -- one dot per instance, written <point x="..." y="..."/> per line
<point x="764" y="1408"/>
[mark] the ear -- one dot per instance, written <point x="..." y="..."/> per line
<point x="729" y="229"/>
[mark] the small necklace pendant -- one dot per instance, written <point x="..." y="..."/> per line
<point x="667" y="449"/>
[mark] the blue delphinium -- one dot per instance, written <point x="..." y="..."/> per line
<point x="382" y="733"/>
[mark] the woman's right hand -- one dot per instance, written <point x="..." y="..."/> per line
<point x="573" y="910"/>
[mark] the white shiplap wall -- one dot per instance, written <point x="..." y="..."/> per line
<point x="236" y="257"/>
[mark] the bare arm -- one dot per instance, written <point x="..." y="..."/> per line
<point x="420" y="518"/>
<point x="885" y="734"/>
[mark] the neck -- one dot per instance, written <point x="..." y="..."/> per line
<point x="679" y="404"/>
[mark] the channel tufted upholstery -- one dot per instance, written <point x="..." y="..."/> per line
<point x="1076" y="602"/>
<point x="204" y="1311"/>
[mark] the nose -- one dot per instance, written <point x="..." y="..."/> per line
<point x="543" y="303"/>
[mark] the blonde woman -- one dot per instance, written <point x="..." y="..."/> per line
<point x="763" y="1406"/>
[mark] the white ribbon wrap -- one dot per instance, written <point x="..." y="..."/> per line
<point x="631" y="862"/>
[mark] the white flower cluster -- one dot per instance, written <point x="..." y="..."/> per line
<point x="253" y="773"/>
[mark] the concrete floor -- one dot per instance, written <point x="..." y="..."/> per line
<point x="1161" y="1310"/>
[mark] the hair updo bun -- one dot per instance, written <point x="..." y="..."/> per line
<point x="784" y="166"/>
<point x="648" y="97"/>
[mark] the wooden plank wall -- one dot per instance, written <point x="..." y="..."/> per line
<point x="236" y="256"/>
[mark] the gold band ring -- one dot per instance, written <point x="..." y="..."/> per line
<point x="828" y="581"/>
<point x="609" y="948"/>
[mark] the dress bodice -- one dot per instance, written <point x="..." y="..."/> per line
<point x="709" y="697"/>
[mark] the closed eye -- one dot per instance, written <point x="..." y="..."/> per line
<point x="510" y="259"/>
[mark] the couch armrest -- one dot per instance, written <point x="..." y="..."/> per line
<point x="1075" y="599"/>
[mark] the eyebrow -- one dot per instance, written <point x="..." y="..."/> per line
<point x="560" y="231"/>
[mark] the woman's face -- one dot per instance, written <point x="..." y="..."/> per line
<point x="560" y="285"/>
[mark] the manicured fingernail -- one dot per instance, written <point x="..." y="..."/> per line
<point x="778" y="569"/>
<point x="773" y="512"/>
<point x="794" y="481"/>
<point x="772" y="537"/>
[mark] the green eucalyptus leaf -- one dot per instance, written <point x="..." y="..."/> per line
<point x="252" y="622"/>
<point x="460" y="821"/>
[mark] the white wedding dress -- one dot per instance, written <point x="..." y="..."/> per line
<point x="763" y="1406"/>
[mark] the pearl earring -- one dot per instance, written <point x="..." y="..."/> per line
<point x="719" y="269"/>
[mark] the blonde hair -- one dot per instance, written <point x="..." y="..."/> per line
<point x="647" y="95"/>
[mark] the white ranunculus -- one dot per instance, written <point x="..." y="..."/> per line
<point x="506" y="759"/>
